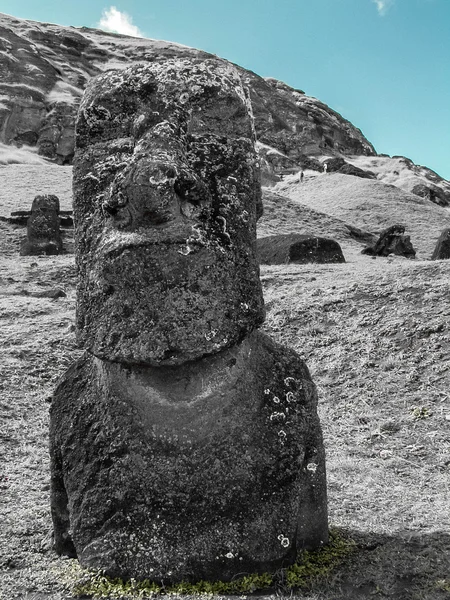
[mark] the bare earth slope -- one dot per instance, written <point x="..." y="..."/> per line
<point x="376" y="337"/>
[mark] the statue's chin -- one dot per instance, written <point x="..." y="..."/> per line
<point x="153" y="305"/>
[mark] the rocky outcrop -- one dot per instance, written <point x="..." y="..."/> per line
<point x="392" y="241"/>
<point x="297" y="248"/>
<point x="348" y="169"/>
<point x="43" y="228"/>
<point x="45" y="69"/>
<point x="339" y="165"/>
<point x="433" y="193"/>
<point x="185" y="444"/>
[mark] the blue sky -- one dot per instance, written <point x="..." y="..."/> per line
<point x="383" y="64"/>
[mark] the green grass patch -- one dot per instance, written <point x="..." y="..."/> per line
<point x="310" y="566"/>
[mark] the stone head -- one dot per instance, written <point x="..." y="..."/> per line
<point x="166" y="199"/>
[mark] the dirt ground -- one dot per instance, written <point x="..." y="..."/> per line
<point x="375" y="334"/>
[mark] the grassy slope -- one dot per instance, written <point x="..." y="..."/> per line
<point x="373" y="206"/>
<point x="376" y="337"/>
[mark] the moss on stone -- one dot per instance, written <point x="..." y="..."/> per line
<point x="310" y="566"/>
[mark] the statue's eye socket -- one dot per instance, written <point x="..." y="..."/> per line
<point x="189" y="190"/>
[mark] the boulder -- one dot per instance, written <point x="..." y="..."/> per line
<point x="442" y="250"/>
<point x="297" y="248"/>
<point x="43" y="228"/>
<point x="185" y="444"/>
<point x="392" y="241"/>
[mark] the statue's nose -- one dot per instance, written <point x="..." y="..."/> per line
<point x="153" y="194"/>
<point x="143" y="196"/>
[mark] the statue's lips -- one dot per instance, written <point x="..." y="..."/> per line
<point x="113" y="244"/>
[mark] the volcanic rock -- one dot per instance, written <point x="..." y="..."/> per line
<point x="297" y="248"/>
<point x="43" y="231"/>
<point x="348" y="169"/>
<point x="185" y="445"/>
<point x="442" y="250"/>
<point x="433" y="193"/>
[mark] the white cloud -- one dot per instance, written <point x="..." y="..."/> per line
<point x="382" y="6"/>
<point x="118" y="22"/>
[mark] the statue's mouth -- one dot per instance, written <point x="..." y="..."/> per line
<point x="115" y="243"/>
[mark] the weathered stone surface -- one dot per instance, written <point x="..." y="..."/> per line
<point x="297" y="248"/>
<point x="43" y="232"/>
<point x="200" y="471"/>
<point x="166" y="197"/>
<point x="185" y="444"/>
<point x="392" y="241"/>
<point x="442" y="250"/>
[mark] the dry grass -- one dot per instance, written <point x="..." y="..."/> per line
<point x="376" y="337"/>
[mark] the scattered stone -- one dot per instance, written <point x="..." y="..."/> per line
<point x="43" y="228"/>
<point x="442" y="250"/>
<point x="297" y="248"/>
<point x="185" y="444"/>
<point x="392" y="241"/>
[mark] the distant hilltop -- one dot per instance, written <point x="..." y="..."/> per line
<point x="45" y="69"/>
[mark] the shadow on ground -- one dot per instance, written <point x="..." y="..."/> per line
<point x="404" y="566"/>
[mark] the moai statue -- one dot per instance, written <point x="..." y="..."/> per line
<point x="43" y="232"/>
<point x="442" y="248"/>
<point x="185" y="444"/>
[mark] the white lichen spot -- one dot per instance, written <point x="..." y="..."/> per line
<point x="284" y="541"/>
<point x="290" y="397"/>
<point x="267" y="391"/>
<point x="276" y="400"/>
<point x="312" y="467"/>
<point x="209" y="336"/>
<point x="185" y="250"/>
<point x="289" y="381"/>
<point x="278" y="416"/>
<point x="229" y="555"/>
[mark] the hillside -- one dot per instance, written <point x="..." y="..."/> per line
<point x="46" y="67"/>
